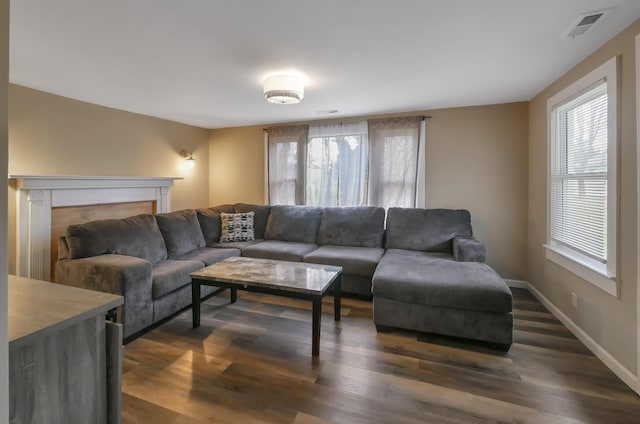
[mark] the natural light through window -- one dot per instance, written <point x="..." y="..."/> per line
<point x="582" y="177"/>
<point x="366" y="163"/>
<point x="337" y="170"/>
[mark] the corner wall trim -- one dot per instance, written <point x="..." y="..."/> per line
<point x="616" y="367"/>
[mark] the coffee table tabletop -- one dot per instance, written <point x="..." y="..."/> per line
<point x="281" y="275"/>
<point x="291" y="279"/>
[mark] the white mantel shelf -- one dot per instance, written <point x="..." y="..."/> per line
<point x="38" y="194"/>
<point x="44" y="182"/>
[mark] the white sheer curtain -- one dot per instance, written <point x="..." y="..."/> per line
<point x="287" y="159"/>
<point x="393" y="162"/>
<point x="337" y="165"/>
<point x="421" y="175"/>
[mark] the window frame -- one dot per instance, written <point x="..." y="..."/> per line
<point x="599" y="274"/>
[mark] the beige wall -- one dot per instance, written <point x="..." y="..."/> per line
<point x="476" y="159"/>
<point x="53" y="135"/>
<point x="4" y="309"/>
<point x="236" y="165"/>
<point x="609" y="321"/>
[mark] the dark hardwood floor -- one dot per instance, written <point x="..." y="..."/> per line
<point x="250" y="362"/>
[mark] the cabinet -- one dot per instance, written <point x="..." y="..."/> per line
<point x="65" y="358"/>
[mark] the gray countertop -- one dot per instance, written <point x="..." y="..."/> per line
<point x="39" y="308"/>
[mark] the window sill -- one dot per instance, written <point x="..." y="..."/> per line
<point x="591" y="271"/>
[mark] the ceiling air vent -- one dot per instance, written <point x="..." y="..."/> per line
<point x="584" y="23"/>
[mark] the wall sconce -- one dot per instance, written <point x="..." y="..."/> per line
<point x="191" y="162"/>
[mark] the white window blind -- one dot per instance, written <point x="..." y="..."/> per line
<point x="579" y="174"/>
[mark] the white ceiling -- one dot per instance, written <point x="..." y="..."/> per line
<point x="202" y="62"/>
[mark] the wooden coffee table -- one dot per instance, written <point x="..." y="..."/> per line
<point x="290" y="279"/>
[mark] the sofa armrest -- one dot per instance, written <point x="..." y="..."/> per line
<point x="63" y="248"/>
<point x="468" y="249"/>
<point x="126" y="276"/>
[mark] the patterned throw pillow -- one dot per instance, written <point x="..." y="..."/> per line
<point x="236" y="227"/>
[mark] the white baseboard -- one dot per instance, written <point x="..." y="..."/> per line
<point x="519" y="284"/>
<point x="631" y="380"/>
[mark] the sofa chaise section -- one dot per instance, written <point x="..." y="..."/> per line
<point x="422" y="283"/>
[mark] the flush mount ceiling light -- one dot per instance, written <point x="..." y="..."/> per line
<point x="283" y="89"/>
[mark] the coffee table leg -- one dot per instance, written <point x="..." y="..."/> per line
<point x="317" y="317"/>
<point x="195" y="301"/>
<point x="337" y="296"/>
<point x="234" y="295"/>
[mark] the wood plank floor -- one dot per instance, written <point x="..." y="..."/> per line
<point x="250" y="362"/>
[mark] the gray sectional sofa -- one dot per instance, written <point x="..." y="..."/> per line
<point x="428" y="275"/>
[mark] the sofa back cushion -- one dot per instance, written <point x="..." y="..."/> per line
<point x="209" y="219"/>
<point x="137" y="236"/>
<point x="260" y="217"/>
<point x="293" y="223"/>
<point x="428" y="230"/>
<point x="353" y="226"/>
<point x="181" y="231"/>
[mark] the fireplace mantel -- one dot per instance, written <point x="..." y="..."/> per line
<point x="37" y="195"/>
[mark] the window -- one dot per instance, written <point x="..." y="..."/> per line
<point x="286" y="151"/>
<point x="394" y="161"/>
<point x="371" y="163"/>
<point x="337" y="166"/>
<point x="582" y="178"/>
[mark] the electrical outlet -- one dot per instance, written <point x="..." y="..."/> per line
<point x="574" y="300"/>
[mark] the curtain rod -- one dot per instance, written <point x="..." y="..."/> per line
<point x="422" y="117"/>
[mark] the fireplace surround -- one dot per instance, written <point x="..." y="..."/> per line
<point x="37" y="195"/>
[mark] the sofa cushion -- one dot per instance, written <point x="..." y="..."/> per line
<point x="137" y="236"/>
<point x="360" y="261"/>
<point x="279" y="250"/>
<point x="181" y="231"/>
<point x="439" y="280"/>
<point x="208" y="255"/>
<point x="294" y="223"/>
<point x="209" y="219"/>
<point x="241" y="245"/>
<point x="170" y="275"/>
<point x="355" y="226"/>
<point x="429" y="230"/>
<point x="260" y="218"/>
<point x="236" y="227"/>
<point x="226" y="208"/>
